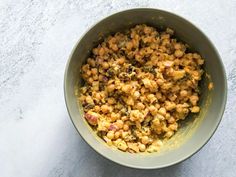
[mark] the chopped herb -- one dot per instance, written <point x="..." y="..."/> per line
<point x="110" y="72"/>
<point x="149" y="69"/>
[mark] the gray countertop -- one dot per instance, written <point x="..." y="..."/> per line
<point x="37" y="138"/>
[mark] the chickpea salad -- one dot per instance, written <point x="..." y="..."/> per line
<point x="137" y="86"/>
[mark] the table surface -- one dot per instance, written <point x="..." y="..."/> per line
<point x="37" y="138"/>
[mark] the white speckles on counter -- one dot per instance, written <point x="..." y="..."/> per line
<point x="37" y="137"/>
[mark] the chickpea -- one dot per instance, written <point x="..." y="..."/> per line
<point x="167" y="115"/>
<point x="156" y="121"/>
<point x="151" y="97"/>
<point x="107" y="124"/>
<point x="111" y="88"/>
<point x="121" y="61"/>
<point x="157" y="106"/>
<point x="169" y="105"/>
<point x="126" y="88"/>
<point x="114" y="47"/>
<point x="90" y="80"/>
<point x="122" y="145"/>
<point x="169" y="134"/>
<point x="172" y="97"/>
<point x="117" y="134"/>
<point x="82" y="98"/>
<point x="183" y="93"/>
<point x="173" y="126"/>
<point x="165" y="42"/>
<point x="150" y="141"/>
<point x="136" y="94"/>
<point x="196" y="56"/>
<point x="85" y="76"/>
<point x="175" y="88"/>
<point x="158" y="95"/>
<point x="142" y="147"/>
<point x="195" y="109"/>
<point x="179" y="108"/>
<point x="100" y="77"/>
<point x="101" y="51"/>
<point x="177" y="46"/>
<point x="126" y="127"/>
<point x="171" y="120"/>
<point x="88" y="72"/>
<point x="153" y="110"/>
<point x="145" y="140"/>
<point x="103" y="94"/>
<point x="194" y="99"/>
<point x="95" y="86"/>
<point x="97" y="108"/>
<point x="85" y="68"/>
<point x="109" y="142"/>
<point x="105" y="65"/>
<point x="91" y="62"/>
<point x="124" y="118"/>
<point x="166" y="86"/>
<point x="179" y="53"/>
<point x="185" y="111"/>
<point x="120" y="123"/>
<point x="129" y="45"/>
<point x="89" y="100"/>
<point x="98" y="96"/>
<point x="140" y="106"/>
<point x="105" y="109"/>
<point x="111" y="101"/>
<point x="95" y="77"/>
<point x="114" y="116"/>
<point x="95" y="51"/>
<point x="130" y="101"/>
<point x="200" y="61"/>
<point x="110" y="135"/>
<point x="142" y="98"/>
<point x="94" y="71"/>
<point x="160" y="81"/>
<point x="133" y="146"/>
<point x="162" y="111"/>
<point x="124" y="134"/>
<point x="143" y="90"/>
<point x="147" y="30"/>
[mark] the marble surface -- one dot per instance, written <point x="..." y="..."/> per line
<point x="37" y="138"/>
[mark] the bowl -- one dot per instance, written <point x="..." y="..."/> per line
<point x="195" y="131"/>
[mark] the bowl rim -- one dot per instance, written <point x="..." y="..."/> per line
<point x="209" y="135"/>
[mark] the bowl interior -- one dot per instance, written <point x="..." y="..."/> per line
<point x="195" y="131"/>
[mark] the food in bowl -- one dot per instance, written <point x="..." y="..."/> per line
<point x="138" y="85"/>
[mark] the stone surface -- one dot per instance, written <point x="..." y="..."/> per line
<point x="36" y="136"/>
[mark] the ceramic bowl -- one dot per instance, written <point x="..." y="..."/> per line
<point x="195" y="131"/>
